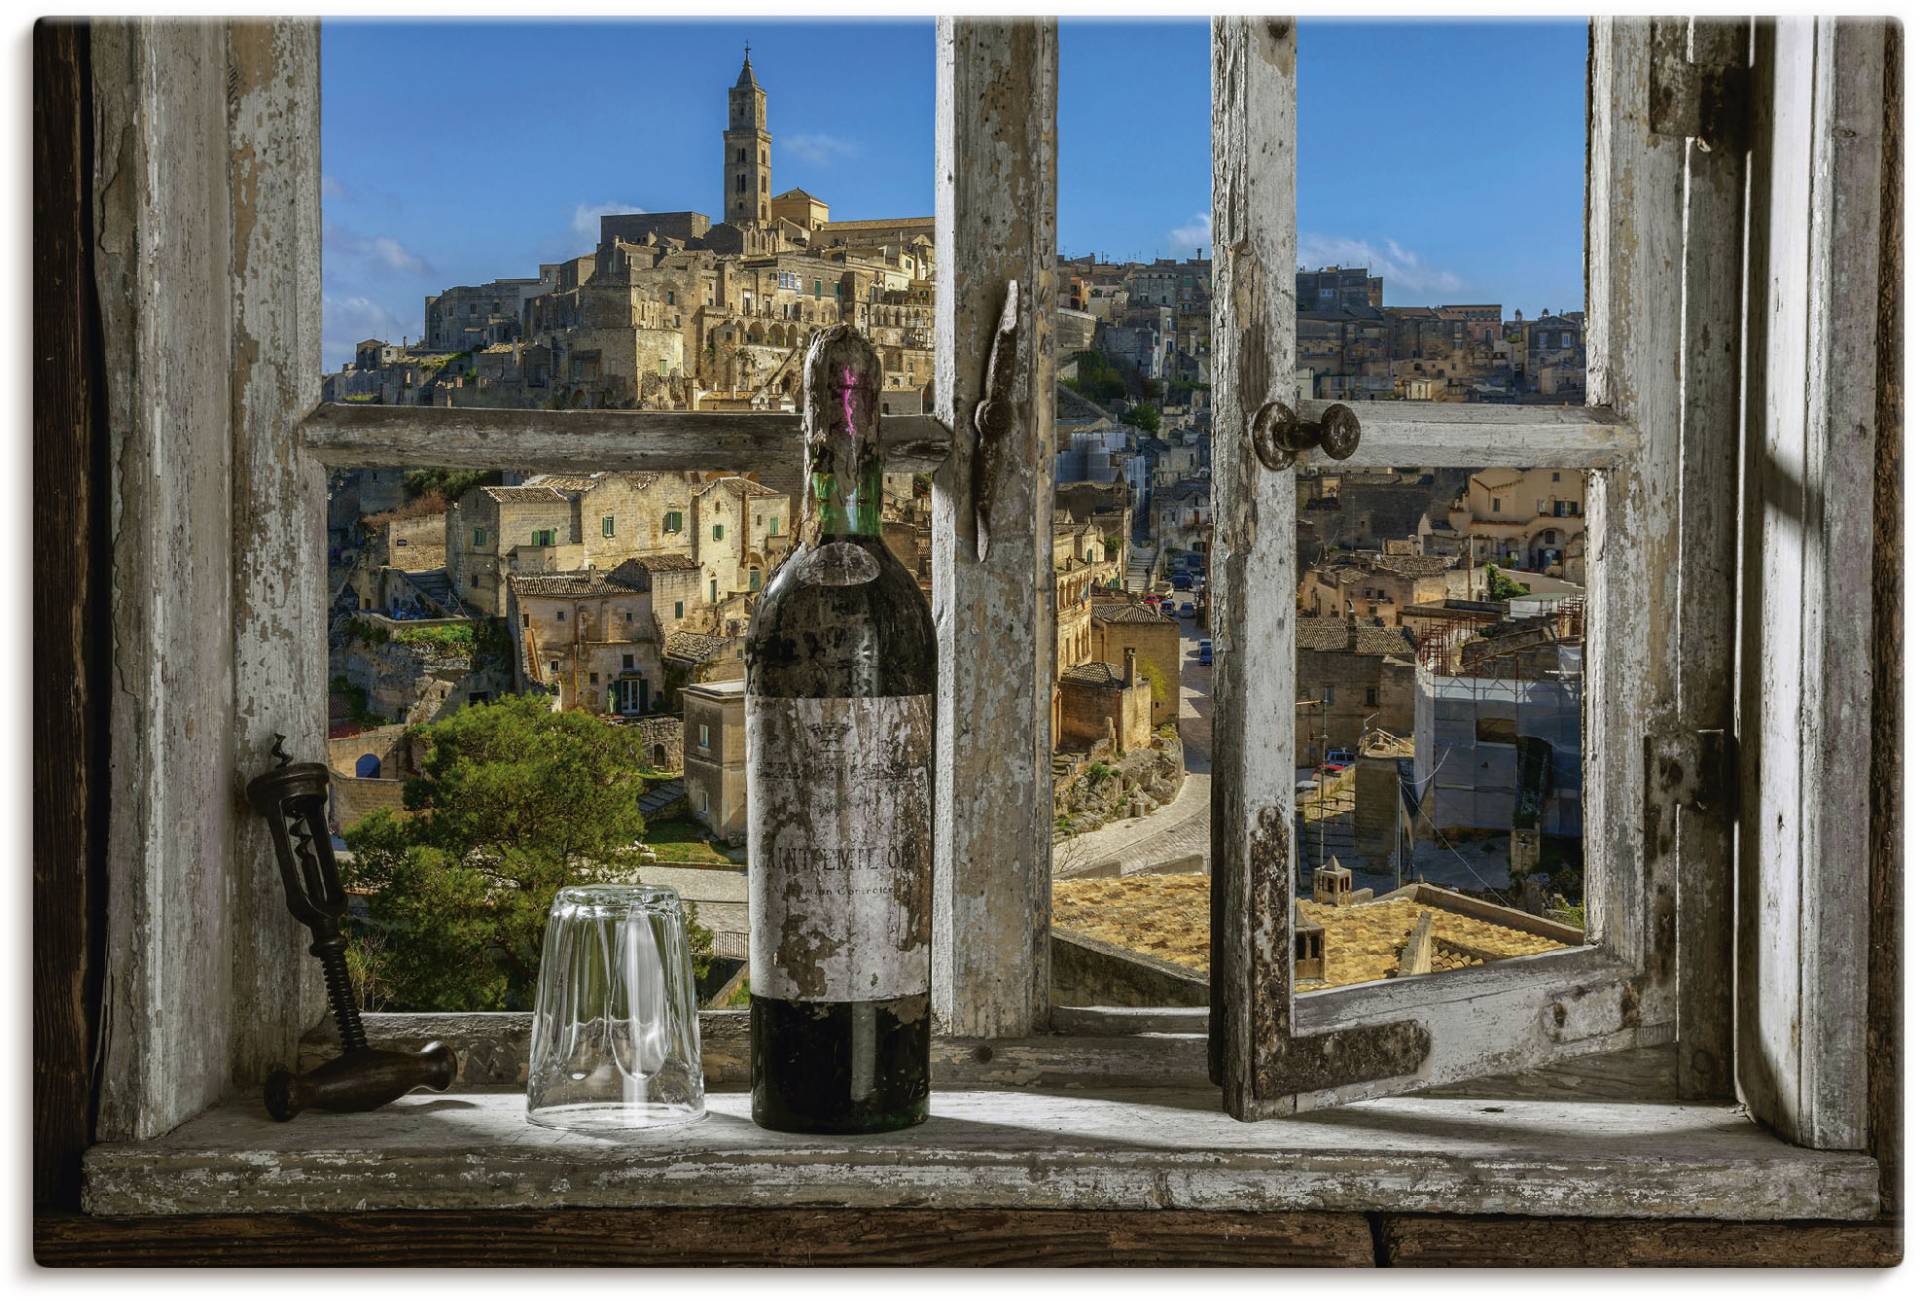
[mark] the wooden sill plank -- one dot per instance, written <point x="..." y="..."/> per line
<point x="1115" y="1150"/>
<point x="725" y="1236"/>
<point x="732" y="1236"/>
<point x="355" y="434"/>
<point x="1484" y="1243"/>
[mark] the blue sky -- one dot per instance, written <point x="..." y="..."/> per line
<point x="1448" y="156"/>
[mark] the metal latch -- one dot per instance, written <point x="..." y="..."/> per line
<point x="993" y="417"/>
<point x="1706" y="103"/>
<point x="1280" y="437"/>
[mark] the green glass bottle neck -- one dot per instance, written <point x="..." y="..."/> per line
<point x="847" y="505"/>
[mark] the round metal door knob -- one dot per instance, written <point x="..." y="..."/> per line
<point x="1280" y="438"/>
<point x="1272" y="432"/>
<point x="1339" y="432"/>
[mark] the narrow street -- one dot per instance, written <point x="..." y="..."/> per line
<point x="1172" y="838"/>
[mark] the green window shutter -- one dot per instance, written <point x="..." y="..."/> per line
<point x="753" y="580"/>
<point x="773" y="524"/>
<point x="606" y="526"/>
<point x="719" y="531"/>
<point x="479" y="537"/>
<point x="679" y="609"/>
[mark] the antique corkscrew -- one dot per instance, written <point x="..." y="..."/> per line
<point x="292" y="797"/>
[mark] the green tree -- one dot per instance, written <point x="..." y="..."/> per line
<point x="1143" y="416"/>
<point x="1096" y="377"/>
<point x="512" y="802"/>
<point x="1502" y="588"/>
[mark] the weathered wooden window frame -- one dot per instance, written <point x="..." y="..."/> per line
<point x="193" y="913"/>
<point x="209" y="986"/>
<point x="1670" y="254"/>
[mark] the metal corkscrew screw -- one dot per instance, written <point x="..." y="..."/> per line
<point x="292" y="797"/>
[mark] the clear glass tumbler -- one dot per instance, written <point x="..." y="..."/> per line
<point x="616" y="1029"/>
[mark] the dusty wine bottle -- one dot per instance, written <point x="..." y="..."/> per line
<point x="840" y="676"/>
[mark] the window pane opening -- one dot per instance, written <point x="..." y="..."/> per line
<point x="1440" y="670"/>
<point x="493" y="741"/>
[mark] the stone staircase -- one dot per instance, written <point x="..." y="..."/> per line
<point x="1140" y="567"/>
<point x="438" y="588"/>
<point x="659" y="797"/>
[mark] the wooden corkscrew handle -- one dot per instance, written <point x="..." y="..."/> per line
<point x="360" y="1080"/>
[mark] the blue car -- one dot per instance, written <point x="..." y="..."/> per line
<point x="1206" y="652"/>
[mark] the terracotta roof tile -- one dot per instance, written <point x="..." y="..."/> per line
<point x="1128" y="612"/>
<point x="1099" y="673"/>
<point x="660" y="564"/>
<point x="696" y="646"/>
<point x="1369" y="639"/>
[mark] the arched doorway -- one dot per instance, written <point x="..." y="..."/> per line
<point x="367" y="765"/>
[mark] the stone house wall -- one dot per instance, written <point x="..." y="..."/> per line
<point x="1085" y="711"/>
<point x="662" y="737"/>
<point x="715" y="762"/>
<point x="1340" y="691"/>
<point x="1156" y="644"/>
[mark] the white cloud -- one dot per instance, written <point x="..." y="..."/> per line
<point x="586" y="217"/>
<point x="1196" y="234"/>
<point x="330" y="188"/>
<point x="1402" y="267"/>
<point x="819" y="146"/>
<point x="380" y="251"/>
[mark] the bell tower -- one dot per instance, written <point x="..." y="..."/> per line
<point x="749" y="151"/>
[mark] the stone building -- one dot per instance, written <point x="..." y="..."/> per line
<point x="466" y="317"/>
<point x="1081" y="567"/>
<point x="1336" y="287"/>
<point x="1127" y="628"/>
<point x="398" y="545"/>
<point x="1099" y="702"/>
<point x="1182" y="514"/>
<point x="731" y="528"/>
<point x="714" y="755"/>
<point x="1376" y="587"/>
<point x="1350" y="677"/>
<point x="741" y="529"/>
<point x="588" y="637"/>
<point x="1524" y="519"/>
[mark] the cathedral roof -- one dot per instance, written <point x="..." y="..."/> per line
<point x="746" y="74"/>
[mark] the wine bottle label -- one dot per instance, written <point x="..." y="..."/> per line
<point x="840" y="828"/>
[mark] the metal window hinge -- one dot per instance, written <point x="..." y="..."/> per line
<point x="1693" y="769"/>
<point x="1706" y="103"/>
<point x="993" y="417"/>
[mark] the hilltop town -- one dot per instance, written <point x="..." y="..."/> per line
<point x="1441" y="611"/>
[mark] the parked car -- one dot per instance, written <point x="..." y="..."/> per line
<point x="1186" y="609"/>
<point x="1341" y="757"/>
<point x="1206" y="652"/>
<point x="1181" y="583"/>
<point x="1307" y="787"/>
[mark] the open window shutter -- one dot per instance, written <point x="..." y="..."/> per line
<point x="1816" y="248"/>
<point x="1261" y="1064"/>
<point x="1271" y="1053"/>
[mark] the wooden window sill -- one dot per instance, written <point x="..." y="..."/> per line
<point x="1088" y="1149"/>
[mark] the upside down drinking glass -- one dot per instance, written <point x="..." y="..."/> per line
<point x="616" y="1030"/>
